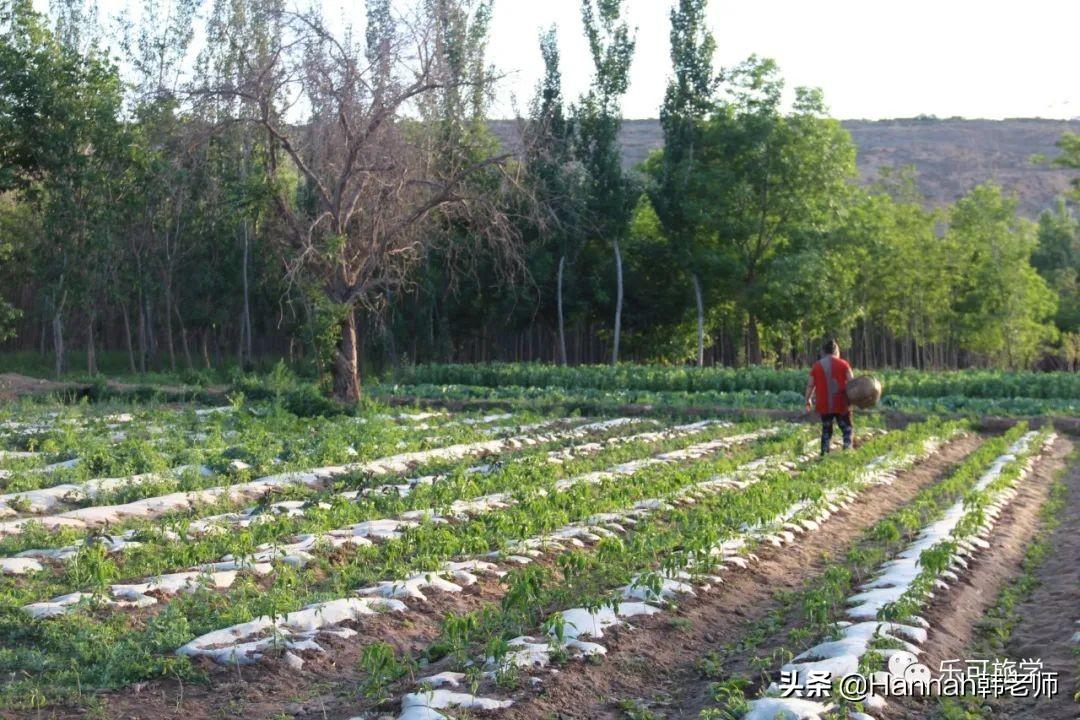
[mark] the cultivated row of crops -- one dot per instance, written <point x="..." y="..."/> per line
<point x="503" y="545"/>
<point x="882" y="630"/>
<point x="701" y="534"/>
<point x="604" y="400"/>
<point x="907" y="383"/>
<point x="106" y="579"/>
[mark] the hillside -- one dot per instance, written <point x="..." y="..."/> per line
<point x="949" y="156"/>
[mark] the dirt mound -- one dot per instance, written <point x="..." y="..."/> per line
<point x="15" y="385"/>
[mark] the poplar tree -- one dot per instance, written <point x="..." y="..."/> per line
<point x="554" y="179"/>
<point x="687" y="101"/>
<point x="610" y="194"/>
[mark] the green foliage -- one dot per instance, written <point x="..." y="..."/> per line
<point x="906" y="383"/>
<point x="1057" y="259"/>
<point x="381" y="666"/>
<point x="773" y="180"/>
<point x="1003" y="306"/>
<point x="190" y="234"/>
<point x="18" y="227"/>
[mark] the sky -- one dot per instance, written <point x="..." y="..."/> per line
<point x="872" y="59"/>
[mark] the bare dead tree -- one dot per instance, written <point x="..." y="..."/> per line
<point x="360" y="170"/>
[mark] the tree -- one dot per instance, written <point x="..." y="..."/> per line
<point x="59" y="121"/>
<point x="1057" y="257"/>
<point x="236" y="191"/>
<point x="18" y="227"/>
<point x="456" y="113"/>
<point x="1069" y="144"/>
<point x="166" y="165"/>
<point x="553" y="178"/>
<point x="880" y="232"/>
<point x="1003" y="307"/>
<point x="763" y="176"/>
<point x="610" y="194"/>
<point x="687" y="100"/>
<point x="1057" y="260"/>
<point x="358" y="185"/>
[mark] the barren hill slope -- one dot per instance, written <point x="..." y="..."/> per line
<point x="950" y="156"/>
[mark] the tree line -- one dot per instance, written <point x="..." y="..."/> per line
<point x="300" y="188"/>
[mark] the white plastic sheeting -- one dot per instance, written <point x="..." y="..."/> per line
<point x="46" y="470"/>
<point x="111" y="543"/>
<point x="426" y="705"/>
<point x="319" y="477"/>
<point x="451" y="577"/>
<point x="48" y="499"/>
<point x="300" y="552"/>
<point x="575" y="624"/>
<point x="842" y="656"/>
<point x="19" y="565"/>
<point x="247" y="642"/>
<point x="296" y="552"/>
<point x="18" y="454"/>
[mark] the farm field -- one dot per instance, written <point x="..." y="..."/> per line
<point x="435" y="556"/>
<point x="357" y="362"/>
<point x="967" y="392"/>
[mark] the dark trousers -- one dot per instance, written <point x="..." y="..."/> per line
<point x="844" y="421"/>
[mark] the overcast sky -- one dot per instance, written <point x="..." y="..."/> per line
<point x="873" y="59"/>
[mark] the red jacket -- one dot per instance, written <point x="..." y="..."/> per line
<point x="830" y="384"/>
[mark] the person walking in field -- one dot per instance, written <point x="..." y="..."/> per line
<point x="826" y="391"/>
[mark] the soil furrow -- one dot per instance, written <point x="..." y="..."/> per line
<point x="1048" y="617"/>
<point x="326" y="687"/>
<point x="656" y="661"/>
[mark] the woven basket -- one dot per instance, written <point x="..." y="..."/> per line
<point x="864" y="391"/>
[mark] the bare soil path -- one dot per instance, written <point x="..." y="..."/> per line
<point x="15" y="385"/>
<point x="1048" y="618"/>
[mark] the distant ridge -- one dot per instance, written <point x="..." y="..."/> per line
<point x="950" y="155"/>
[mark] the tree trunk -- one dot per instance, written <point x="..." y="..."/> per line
<point x="58" y="341"/>
<point x="559" y="304"/>
<point x="391" y="342"/>
<point x="127" y="336"/>
<point x="700" y="320"/>
<point x="618" y="302"/>
<point x="91" y="351"/>
<point x="245" y="327"/>
<point x="753" y="341"/>
<point x="183" y="337"/>
<point x="151" y="336"/>
<point x="864" y="335"/>
<point x="143" y="351"/>
<point x="169" y="327"/>
<point x="346" y="362"/>
<point x="445" y="340"/>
